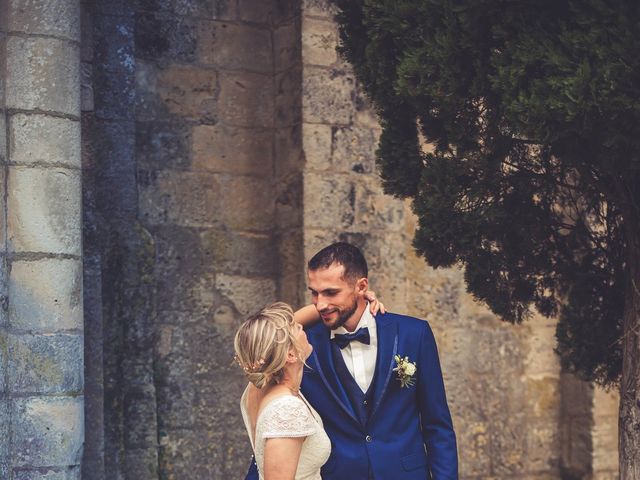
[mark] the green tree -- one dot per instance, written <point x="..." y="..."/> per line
<point x="532" y="110"/>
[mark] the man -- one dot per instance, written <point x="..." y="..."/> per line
<point x="376" y="382"/>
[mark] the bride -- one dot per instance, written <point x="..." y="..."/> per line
<point x="286" y="433"/>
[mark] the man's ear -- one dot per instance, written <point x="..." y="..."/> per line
<point x="362" y="285"/>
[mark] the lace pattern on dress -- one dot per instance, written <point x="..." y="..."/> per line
<point x="287" y="417"/>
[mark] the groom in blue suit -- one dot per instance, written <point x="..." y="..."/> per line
<point x="386" y="421"/>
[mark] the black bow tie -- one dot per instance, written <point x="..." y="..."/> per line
<point x="361" y="335"/>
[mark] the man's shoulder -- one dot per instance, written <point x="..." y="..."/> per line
<point x="404" y="322"/>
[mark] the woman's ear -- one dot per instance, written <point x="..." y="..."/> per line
<point x="292" y="356"/>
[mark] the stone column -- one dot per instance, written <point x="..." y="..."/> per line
<point x="41" y="322"/>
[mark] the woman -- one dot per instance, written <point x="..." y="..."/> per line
<point x="286" y="433"/>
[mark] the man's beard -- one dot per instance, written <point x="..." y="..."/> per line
<point x="343" y="316"/>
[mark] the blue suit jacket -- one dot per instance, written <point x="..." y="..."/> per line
<point x="409" y="434"/>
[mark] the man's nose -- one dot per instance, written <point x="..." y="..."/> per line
<point x="321" y="304"/>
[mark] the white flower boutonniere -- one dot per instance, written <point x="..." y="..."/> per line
<point x="405" y="370"/>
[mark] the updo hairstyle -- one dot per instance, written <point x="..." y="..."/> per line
<point x="262" y="344"/>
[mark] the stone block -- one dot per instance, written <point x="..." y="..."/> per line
<point x="288" y="151"/>
<point x="476" y="460"/>
<point x="58" y="18"/>
<point x="248" y="295"/>
<point x="46" y="295"/>
<point x="86" y="87"/>
<point x="289" y="208"/>
<point x="237" y="253"/>
<point x="354" y="149"/>
<point x="179" y="198"/>
<point x="288" y="98"/>
<point x="115" y="95"/>
<point x="116" y="52"/>
<point x="319" y="8"/>
<point x="327" y="96"/>
<point x="317" y="144"/>
<point x="319" y="42"/>
<point x="223" y="149"/>
<point x="543" y="395"/>
<point x="48" y="473"/>
<point x="44" y="139"/>
<point x="163" y="145"/>
<point x="44" y="75"/>
<point x="208" y="9"/>
<point x="247" y="203"/>
<point x="374" y="210"/>
<point x="165" y="36"/>
<point x="186" y="91"/>
<point x="543" y="446"/>
<point x="508" y="440"/>
<point x="235" y="47"/>
<point x="141" y="463"/>
<point x="5" y="429"/>
<point x="47" y="431"/>
<point x="604" y="435"/>
<point x="541" y="359"/>
<point x="246" y="99"/>
<point x="44" y="210"/>
<point x="286" y="47"/>
<point x="330" y="201"/>
<point x="113" y="143"/>
<point x="86" y="32"/>
<point x="3" y="129"/>
<point x="261" y="11"/>
<point x="45" y="363"/>
<point x="605" y="403"/>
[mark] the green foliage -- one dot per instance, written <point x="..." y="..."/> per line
<point x="533" y="110"/>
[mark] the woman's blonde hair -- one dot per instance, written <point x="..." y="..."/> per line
<point x="263" y="342"/>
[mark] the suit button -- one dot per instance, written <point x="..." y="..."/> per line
<point x="368" y="438"/>
<point x="365" y="403"/>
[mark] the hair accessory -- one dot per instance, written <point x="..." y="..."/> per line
<point x="250" y="368"/>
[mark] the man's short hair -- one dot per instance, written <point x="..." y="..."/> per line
<point x="341" y="253"/>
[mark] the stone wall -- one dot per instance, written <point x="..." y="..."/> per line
<point x="41" y="311"/>
<point x="223" y="143"/>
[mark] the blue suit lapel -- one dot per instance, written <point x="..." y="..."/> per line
<point x="387" y="349"/>
<point x="327" y="371"/>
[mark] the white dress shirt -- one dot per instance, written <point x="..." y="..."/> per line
<point x="359" y="357"/>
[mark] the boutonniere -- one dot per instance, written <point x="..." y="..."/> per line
<point x="405" y="370"/>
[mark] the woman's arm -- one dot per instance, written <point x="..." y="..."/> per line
<point x="309" y="316"/>
<point x="281" y="456"/>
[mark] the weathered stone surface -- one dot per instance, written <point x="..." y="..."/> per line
<point x="288" y="151"/>
<point x="317" y="140"/>
<point x="320" y="8"/>
<point x="209" y="9"/>
<point x="163" y="145"/>
<point x="260" y="11"/>
<point x="247" y="203"/>
<point x="44" y="139"/>
<point x="44" y="74"/>
<point x="224" y="149"/>
<point x="330" y="201"/>
<point x="185" y="91"/>
<point x="44" y="210"/>
<point x="238" y="253"/>
<point x="164" y="36"/>
<point x="47" y="431"/>
<point x="231" y="46"/>
<point x="247" y="294"/>
<point x="59" y="18"/>
<point x="246" y="100"/>
<point x="48" y="473"/>
<point x="116" y="55"/>
<point x="327" y="96"/>
<point x="3" y="125"/>
<point x="319" y="42"/>
<point x="45" y="295"/>
<point x="354" y="150"/>
<point x="287" y="105"/>
<point x="45" y="363"/>
<point x="86" y="87"/>
<point x="117" y="95"/>
<point x="179" y="198"/>
<point x="286" y="47"/>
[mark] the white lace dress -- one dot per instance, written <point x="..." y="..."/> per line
<point x="290" y="416"/>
